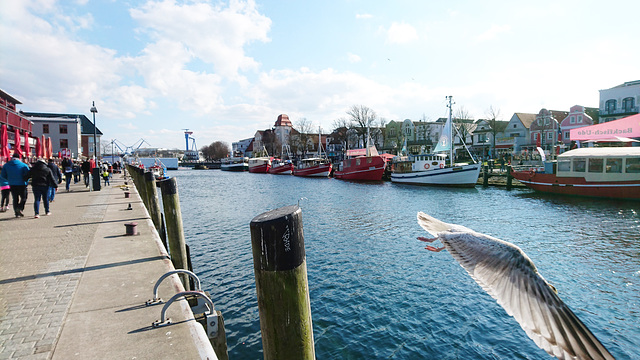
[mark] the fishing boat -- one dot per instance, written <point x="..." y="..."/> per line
<point x="261" y="163"/>
<point x="282" y="166"/>
<point x="604" y="172"/>
<point x="314" y="167"/>
<point x="432" y="169"/>
<point x="361" y="164"/>
<point x="235" y="163"/>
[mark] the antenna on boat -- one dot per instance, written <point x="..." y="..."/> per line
<point x="450" y="106"/>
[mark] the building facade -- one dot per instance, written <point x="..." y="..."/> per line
<point x="620" y="101"/>
<point x="67" y="131"/>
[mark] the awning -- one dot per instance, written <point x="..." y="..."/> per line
<point x="503" y="146"/>
<point x="628" y="127"/>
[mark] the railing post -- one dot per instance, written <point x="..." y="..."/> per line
<point x="152" y="200"/>
<point x="175" y="231"/>
<point x="280" y="268"/>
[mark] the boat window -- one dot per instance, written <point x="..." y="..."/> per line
<point x="357" y="162"/>
<point x="614" y="165"/>
<point x="595" y="165"/>
<point x="564" y="165"/>
<point x="633" y="165"/>
<point x="579" y="164"/>
<point x="369" y="160"/>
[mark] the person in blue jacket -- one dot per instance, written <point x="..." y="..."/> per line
<point x="14" y="172"/>
<point x="4" y="187"/>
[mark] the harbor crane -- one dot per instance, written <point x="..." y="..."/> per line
<point x="190" y="154"/>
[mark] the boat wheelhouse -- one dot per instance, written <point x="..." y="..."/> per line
<point x="236" y="163"/>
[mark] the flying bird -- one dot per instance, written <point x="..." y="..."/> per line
<point x="506" y="273"/>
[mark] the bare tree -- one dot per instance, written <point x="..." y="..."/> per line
<point x="300" y="141"/>
<point x="492" y="117"/>
<point x="362" y="118"/>
<point x="460" y="117"/>
<point x="216" y="150"/>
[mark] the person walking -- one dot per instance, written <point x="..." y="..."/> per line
<point x="67" y="167"/>
<point x="15" y="171"/>
<point x="4" y="187"/>
<point x="57" y="176"/>
<point x="85" y="167"/>
<point x="76" y="172"/>
<point x="41" y="180"/>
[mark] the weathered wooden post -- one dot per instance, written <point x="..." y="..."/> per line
<point x="142" y="189"/>
<point x="175" y="231"/>
<point x="485" y="176"/>
<point x="152" y="200"/>
<point x="509" y="177"/>
<point x="280" y="268"/>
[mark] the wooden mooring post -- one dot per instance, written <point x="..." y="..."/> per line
<point x="280" y="267"/>
<point x="485" y="176"/>
<point x="509" y="178"/>
<point x="153" y="203"/>
<point x="175" y="230"/>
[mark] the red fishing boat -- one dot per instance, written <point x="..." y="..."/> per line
<point x="605" y="172"/>
<point x="259" y="164"/>
<point x="281" y="167"/>
<point x="361" y="165"/>
<point x="314" y="167"/>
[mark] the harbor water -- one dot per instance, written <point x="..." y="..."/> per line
<point x="376" y="293"/>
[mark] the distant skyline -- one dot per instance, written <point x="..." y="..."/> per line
<point x="224" y="69"/>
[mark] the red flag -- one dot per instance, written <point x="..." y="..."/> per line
<point x="27" y="149"/>
<point x="538" y="140"/>
<point x="16" y="143"/>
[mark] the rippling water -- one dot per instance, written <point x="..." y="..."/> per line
<point x="377" y="294"/>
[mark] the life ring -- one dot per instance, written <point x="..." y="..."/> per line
<point x="441" y="166"/>
<point x="426" y="166"/>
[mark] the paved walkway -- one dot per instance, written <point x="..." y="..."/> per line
<point x="73" y="285"/>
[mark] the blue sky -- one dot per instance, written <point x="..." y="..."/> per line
<point x="225" y="69"/>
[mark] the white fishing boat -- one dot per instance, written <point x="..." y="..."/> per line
<point x="432" y="169"/>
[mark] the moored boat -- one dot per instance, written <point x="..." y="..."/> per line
<point x="236" y="163"/>
<point x="259" y="164"/>
<point x="313" y="167"/>
<point x="604" y="172"/>
<point x="361" y="165"/>
<point x="432" y="169"/>
<point x="281" y="167"/>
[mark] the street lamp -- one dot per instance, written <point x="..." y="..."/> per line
<point x="95" y="147"/>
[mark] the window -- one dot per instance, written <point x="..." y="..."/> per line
<point x="572" y="120"/>
<point x="614" y="165"/>
<point x="579" y="164"/>
<point x="515" y="126"/>
<point x="45" y="128"/>
<point x="564" y="165"/>
<point x="633" y="165"/>
<point x="627" y="104"/>
<point x="549" y="136"/>
<point x="566" y="135"/>
<point x="64" y="143"/>
<point x="610" y="105"/>
<point x="595" y="165"/>
<point x="63" y="128"/>
<point x="579" y="119"/>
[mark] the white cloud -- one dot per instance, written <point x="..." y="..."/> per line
<point x="493" y="32"/>
<point x="353" y="58"/>
<point x="401" y="33"/>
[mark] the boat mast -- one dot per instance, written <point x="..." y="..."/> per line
<point x="450" y="131"/>
<point x="367" y="153"/>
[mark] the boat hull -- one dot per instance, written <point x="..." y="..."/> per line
<point x="459" y="176"/>
<point x="362" y="169"/>
<point x="286" y="169"/>
<point x="234" y="167"/>
<point x="578" y="186"/>
<point x="322" y="170"/>
<point x="259" y="169"/>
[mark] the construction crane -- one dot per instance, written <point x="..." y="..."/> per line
<point x="128" y="150"/>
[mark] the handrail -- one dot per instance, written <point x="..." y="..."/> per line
<point x="163" y="321"/>
<point x="157" y="300"/>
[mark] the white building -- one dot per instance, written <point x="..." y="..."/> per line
<point x="619" y="101"/>
<point x="67" y="131"/>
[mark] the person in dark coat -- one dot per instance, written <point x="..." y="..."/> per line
<point x="86" y="168"/>
<point x="41" y="179"/>
<point x="14" y="172"/>
<point x="67" y="167"/>
<point x="57" y="176"/>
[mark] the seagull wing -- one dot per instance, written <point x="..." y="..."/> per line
<point x="506" y="273"/>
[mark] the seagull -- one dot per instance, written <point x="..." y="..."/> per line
<point x="506" y="273"/>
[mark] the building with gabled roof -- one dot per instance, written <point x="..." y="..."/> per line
<point x="67" y="131"/>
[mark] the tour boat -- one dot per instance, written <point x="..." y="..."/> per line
<point x="431" y="169"/>
<point x="236" y="163"/>
<point x="605" y="172"/>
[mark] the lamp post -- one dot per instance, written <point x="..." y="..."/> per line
<point x="95" y="145"/>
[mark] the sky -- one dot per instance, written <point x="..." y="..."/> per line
<point x="225" y="69"/>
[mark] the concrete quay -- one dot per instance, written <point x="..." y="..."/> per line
<point x="73" y="285"/>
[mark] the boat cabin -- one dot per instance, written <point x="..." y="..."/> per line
<point x="420" y="162"/>
<point x="600" y="164"/>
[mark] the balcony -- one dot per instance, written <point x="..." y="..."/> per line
<point x="620" y="111"/>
